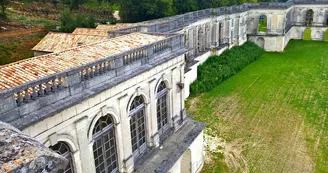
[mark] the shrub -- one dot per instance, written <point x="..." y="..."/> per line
<point x="71" y="21"/>
<point x="219" y="68"/>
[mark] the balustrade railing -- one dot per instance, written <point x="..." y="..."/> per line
<point x="119" y="64"/>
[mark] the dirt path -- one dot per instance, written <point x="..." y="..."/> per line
<point x="20" y="32"/>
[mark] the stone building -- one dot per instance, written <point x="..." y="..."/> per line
<point x="118" y="105"/>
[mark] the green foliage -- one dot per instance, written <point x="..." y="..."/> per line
<point x="134" y="11"/>
<point x="141" y="10"/>
<point x="4" y="4"/>
<point x="307" y="34"/>
<point x="4" y="55"/>
<point x="263" y="25"/>
<point x="255" y="111"/>
<point x="71" y="21"/>
<point x="219" y="68"/>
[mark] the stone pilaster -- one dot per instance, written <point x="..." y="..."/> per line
<point x="87" y="163"/>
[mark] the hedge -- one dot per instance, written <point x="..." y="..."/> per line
<point x="219" y="68"/>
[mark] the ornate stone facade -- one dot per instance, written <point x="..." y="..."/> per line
<point x="124" y="111"/>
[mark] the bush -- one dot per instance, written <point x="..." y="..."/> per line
<point x="71" y="21"/>
<point x="219" y="68"/>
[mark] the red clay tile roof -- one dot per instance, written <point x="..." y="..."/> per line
<point x="55" y="42"/>
<point x="90" y="31"/>
<point x="31" y="69"/>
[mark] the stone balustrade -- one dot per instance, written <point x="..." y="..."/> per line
<point x="24" y="99"/>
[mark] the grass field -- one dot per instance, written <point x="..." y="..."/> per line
<point x="270" y="117"/>
<point x="15" y="49"/>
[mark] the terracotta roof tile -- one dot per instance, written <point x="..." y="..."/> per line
<point x="55" y="42"/>
<point x="90" y="31"/>
<point x="31" y="69"/>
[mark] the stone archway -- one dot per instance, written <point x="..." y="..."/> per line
<point x="309" y="17"/>
<point x="260" y="42"/>
<point x="262" y="26"/>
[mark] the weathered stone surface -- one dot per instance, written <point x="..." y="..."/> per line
<point x="20" y="153"/>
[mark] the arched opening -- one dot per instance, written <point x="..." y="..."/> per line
<point x="262" y="27"/>
<point x="325" y="38"/>
<point x="63" y="149"/>
<point x="260" y="42"/>
<point x="309" y="17"/>
<point x="307" y="34"/>
<point x="104" y="147"/>
<point x="220" y="33"/>
<point x="200" y="39"/>
<point x="161" y="105"/>
<point x="186" y="162"/>
<point x="207" y="36"/>
<point x="318" y="35"/>
<point x="137" y="126"/>
<point x="213" y="35"/>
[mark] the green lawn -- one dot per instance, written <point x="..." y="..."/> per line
<point x="270" y="117"/>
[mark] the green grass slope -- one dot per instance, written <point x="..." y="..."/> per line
<point x="270" y="117"/>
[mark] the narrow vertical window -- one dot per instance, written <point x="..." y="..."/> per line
<point x="63" y="149"/>
<point x="137" y="126"/>
<point x="162" y="115"/>
<point x="104" y="147"/>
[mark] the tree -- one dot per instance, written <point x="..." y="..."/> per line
<point x="70" y="21"/>
<point x="4" y="4"/>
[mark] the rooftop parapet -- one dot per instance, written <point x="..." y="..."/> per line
<point x="28" y="86"/>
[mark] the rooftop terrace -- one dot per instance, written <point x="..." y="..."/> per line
<point x="56" y="42"/>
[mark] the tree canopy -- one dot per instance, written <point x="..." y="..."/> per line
<point x="141" y="10"/>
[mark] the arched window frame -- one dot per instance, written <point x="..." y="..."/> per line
<point x="162" y="111"/>
<point x="137" y="114"/>
<point x="105" y="145"/>
<point x="67" y="153"/>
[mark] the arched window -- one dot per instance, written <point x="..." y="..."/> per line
<point x="104" y="147"/>
<point x="200" y="39"/>
<point x="309" y="17"/>
<point x="162" y="115"/>
<point x="263" y="24"/>
<point x="63" y="149"/>
<point x="137" y="126"/>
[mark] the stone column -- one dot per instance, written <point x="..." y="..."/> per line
<point x="86" y="155"/>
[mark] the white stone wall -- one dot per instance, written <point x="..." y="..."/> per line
<point x="196" y="155"/>
<point x="74" y="125"/>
